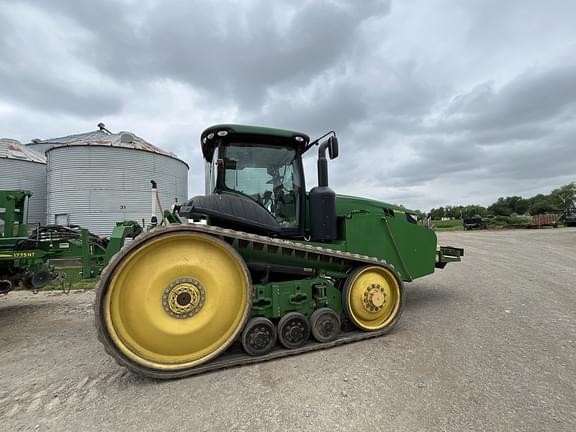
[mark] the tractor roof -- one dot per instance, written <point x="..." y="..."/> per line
<point x="283" y="136"/>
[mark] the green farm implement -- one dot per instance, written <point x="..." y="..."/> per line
<point x="261" y="268"/>
<point x="32" y="258"/>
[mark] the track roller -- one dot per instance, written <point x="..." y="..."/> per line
<point x="293" y="330"/>
<point x="325" y="324"/>
<point x="259" y="336"/>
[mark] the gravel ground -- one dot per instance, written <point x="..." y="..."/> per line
<point x="485" y="345"/>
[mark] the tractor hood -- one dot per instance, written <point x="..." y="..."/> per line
<point x="346" y="204"/>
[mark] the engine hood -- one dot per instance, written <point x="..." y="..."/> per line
<point x="346" y="204"/>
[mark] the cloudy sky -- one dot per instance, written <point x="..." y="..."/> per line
<point x="435" y="102"/>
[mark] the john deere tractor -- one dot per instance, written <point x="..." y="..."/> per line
<point x="259" y="268"/>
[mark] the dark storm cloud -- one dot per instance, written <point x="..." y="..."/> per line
<point x="339" y="104"/>
<point x="536" y="96"/>
<point x="51" y="95"/>
<point x="523" y="131"/>
<point x="40" y="81"/>
<point x="235" y="50"/>
<point x="554" y="159"/>
<point x="362" y="104"/>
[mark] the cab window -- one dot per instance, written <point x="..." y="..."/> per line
<point x="267" y="175"/>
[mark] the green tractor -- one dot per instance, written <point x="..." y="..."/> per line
<point x="262" y="268"/>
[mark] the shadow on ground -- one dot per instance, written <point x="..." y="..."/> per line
<point x="419" y="298"/>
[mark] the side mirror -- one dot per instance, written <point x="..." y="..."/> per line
<point x="333" y="147"/>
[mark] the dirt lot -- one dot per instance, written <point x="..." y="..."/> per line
<point x="485" y="345"/>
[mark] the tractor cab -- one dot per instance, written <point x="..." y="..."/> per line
<point x="255" y="181"/>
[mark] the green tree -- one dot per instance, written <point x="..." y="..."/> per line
<point x="559" y="200"/>
<point x="471" y="211"/>
<point x="507" y="206"/>
<point x="437" y="213"/>
<point x="540" y="204"/>
<point x="521" y="206"/>
<point x="564" y="197"/>
<point x="501" y="207"/>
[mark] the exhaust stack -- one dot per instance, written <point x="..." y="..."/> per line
<point x="322" y="198"/>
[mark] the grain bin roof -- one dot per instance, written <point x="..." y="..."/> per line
<point x="101" y="138"/>
<point x="13" y="149"/>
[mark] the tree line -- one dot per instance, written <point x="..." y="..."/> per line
<point x="558" y="201"/>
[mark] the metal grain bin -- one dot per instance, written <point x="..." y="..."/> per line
<point x="98" y="179"/>
<point x="23" y="168"/>
<point x="39" y="146"/>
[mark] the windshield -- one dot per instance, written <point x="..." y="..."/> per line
<point x="268" y="175"/>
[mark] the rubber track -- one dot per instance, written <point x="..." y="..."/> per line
<point x="230" y="358"/>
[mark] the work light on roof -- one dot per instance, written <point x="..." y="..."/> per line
<point x="222" y="133"/>
<point x="299" y="139"/>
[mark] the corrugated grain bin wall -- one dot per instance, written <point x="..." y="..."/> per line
<point x="96" y="186"/>
<point x="22" y="168"/>
<point x="39" y="147"/>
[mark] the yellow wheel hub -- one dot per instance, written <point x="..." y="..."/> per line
<point x="176" y="300"/>
<point x="373" y="298"/>
<point x="183" y="298"/>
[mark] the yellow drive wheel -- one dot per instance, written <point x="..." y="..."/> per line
<point x="172" y="300"/>
<point x="373" y="298"/>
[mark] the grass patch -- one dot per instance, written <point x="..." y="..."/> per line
<point x="448" y="225"/>
<point x="506" y="221"/>
<point x="72" y="280"/>
<point x="83" y="284"/>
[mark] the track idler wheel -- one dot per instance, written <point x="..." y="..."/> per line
<point x="172" y="300"/>
<point x="373" y="298"/>
<point x="325" y="324"/>
<point x="259" y="336"/>
<point x="293" y="330"/>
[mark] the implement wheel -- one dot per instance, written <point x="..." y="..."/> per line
<point x="373" y="298"/>
<point x="172" y="300"/>
<point x="37" y="279"/>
